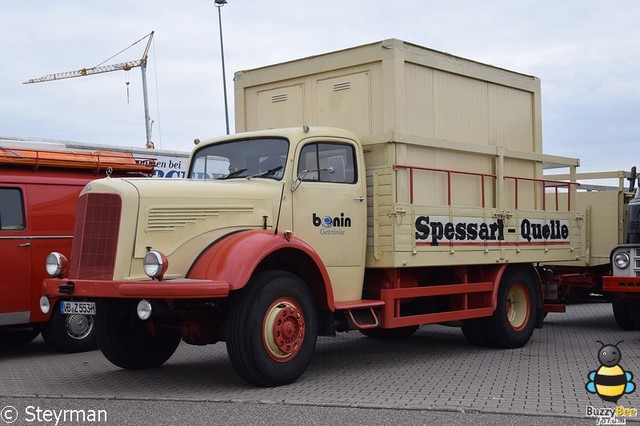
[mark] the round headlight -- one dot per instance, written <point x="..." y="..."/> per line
<point x="621" y="260"/>
<point x="56" y="264"/>
<point x="155" y="264"/>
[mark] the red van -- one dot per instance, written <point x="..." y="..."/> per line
<point x="38" y="195"/>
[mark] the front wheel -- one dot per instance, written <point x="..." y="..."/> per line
<point x="633" y="307"/>
<point x="514" y="319"/>
<point x="129" y="342"/>
<point x="272" y="329"/>
<point x="623" y="312"/>
<point x="69" y="333"/>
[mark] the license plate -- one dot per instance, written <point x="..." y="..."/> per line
<point x="84" y="308"/>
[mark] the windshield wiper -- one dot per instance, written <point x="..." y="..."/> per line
<point x="267" y="173"/>
<point x="237" y="173"/>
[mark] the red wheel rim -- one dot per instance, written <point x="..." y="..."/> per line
<point x="283" y="330"/>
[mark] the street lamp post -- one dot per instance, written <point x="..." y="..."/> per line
<point x="219" y="4"/>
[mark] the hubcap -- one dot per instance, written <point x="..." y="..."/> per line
<point x="518" y="307"/>
<point x="283" y="330"/>
<point x="79" y="326"/>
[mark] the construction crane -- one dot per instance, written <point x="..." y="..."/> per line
<point x="124" y="66"/>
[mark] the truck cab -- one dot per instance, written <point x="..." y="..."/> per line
<point x="291" y="201"/>
<point x="319" y="192"/>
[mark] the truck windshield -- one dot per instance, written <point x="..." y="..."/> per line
<point x="262" y="157"/>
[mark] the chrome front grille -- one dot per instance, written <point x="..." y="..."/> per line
<point x="635" y="261"/>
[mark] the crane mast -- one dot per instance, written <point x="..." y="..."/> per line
<point x="123" y="66"/>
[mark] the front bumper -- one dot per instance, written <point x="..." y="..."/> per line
<point x="171" y="289"/>
<point x="621" y="284"/>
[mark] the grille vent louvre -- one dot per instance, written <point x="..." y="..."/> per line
<point x="171" y="218"/>
<point x="339" y="87"/>
<point x="279" y="98"/>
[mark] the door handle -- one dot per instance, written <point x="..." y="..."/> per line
<point x="24" y="245"/>
<point x="360" y="198"/>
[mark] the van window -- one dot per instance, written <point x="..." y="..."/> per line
<point x="327" y="162"/>
<point x="11" y="210"/>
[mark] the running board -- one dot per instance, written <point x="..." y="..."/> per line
<point x="361" y="306"/>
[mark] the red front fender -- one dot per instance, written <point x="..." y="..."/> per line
<point x="235" y="258"/>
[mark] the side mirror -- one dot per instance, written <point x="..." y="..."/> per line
<point x="298" y="180"/>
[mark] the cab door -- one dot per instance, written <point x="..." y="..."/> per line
<point x="329" y="210"/>
<point x="15" y="246"/>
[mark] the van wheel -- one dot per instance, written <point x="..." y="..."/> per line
<point x="272" y="329"/>
<point x="17" y="336"/>
<point x="69" y="333"/>
<point x="514" y="319"/>
<point x="129" y="342"/>
<point x="390" y="333"/>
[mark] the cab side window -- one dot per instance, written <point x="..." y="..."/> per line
<point x="11" y="209"/>
<point x="328" y="162"/>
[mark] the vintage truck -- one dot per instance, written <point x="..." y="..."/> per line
<point x="624" y="281"/>
<point x="432" y="207"/>
<point x="602" y="199"/>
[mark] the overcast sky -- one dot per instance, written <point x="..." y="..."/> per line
<point x="586" y="53"/>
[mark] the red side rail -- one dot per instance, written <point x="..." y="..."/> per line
<point x="546" y="184"/>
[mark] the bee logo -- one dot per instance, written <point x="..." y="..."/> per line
<point x="610" y="381"/>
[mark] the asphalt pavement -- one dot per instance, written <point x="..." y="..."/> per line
<point x="435" y="377"/>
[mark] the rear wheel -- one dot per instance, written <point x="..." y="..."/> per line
<point x="129" y="342"/>
<point x="514" y="319"/>
<point x="69" y="333"/>
<point x="474" y="331"/>
<point x="271" y="329"/>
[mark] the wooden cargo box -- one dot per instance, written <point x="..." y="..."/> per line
<point x="453" y="150"/>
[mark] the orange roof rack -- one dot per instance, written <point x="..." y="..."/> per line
<point x="96" y="160"/>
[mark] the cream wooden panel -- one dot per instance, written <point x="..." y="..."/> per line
<point x="345" y="102"/>
<point x="419" y="111"/>
<point x="279" y="107"/>
<point x="460" y="111"/>
<point x="510" y="118"/>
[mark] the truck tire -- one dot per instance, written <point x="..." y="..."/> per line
<point x="398" y="333"/>
<point x="633" y="308"/>
<point x="69" y="333"/>
<point x="514" y="319"/>
<point x="271" y="329"/>
<point x="129" y="342"/>
<point x="474" y="331"/>
<point x="17" y="336"/>
<point x="622" y="312"/>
